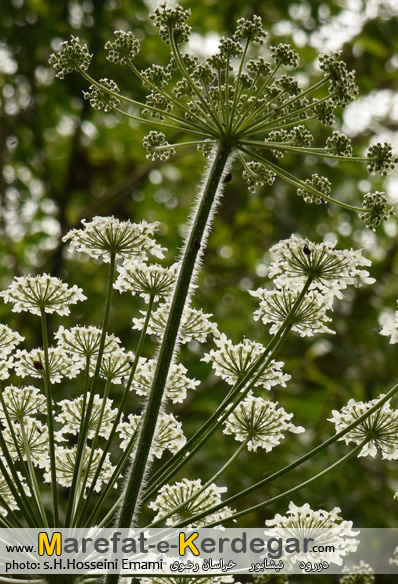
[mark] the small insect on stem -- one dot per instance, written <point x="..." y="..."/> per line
<point x="228" y="177"/>
<point x="307" y="250"/>
<point x="196" y="244"/>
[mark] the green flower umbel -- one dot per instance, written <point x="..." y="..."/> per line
<point x="251" y="102"/>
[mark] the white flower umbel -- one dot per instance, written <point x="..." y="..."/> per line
<point x="103" y="236"/>
<point x="115" y="367"/>
<point x="332" y="270"/>
<point x="231" y="362"/>
<point x="380" y="428"/>
<point x="177" y="381"/>
<point x="260" y="422"/>
<point x="84" y="341"/>
<point x="32" y="363"/>
<point x="36" y="293"/>
<point x="66" y="463"/>
<point x="31" y="438"/>
<point x="71" y="414"/>
<point x="9" y="339"/>
<point x="146" y="280"/>
<point x="195" y="324"/>
<point x="168" y="434"/>
<point x="22" y="401"/>
<point x="172" y="496"/>
<point x="326" y="528"/>
<point x="309" y="319"/>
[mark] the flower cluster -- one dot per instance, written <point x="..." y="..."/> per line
<point x="381" y="158"/>
<point x="342" y="87"/>
<point x="148" y="281"/>
<point x="115" y="366"/>
<point x="66" y="464"/>
<point x="124" y="48"/>
<point x="81" y="342"/>
<point x="379" y="430"/>
<point x="37" y="293"/>
<point x="260" y="423"/>
<point x="71" y="56"/>
<point x="276" y="306"/>
<point x="377" y="210"/>
<point x="106" y="236"/>
<point x="323" y="270"/>
<point x="391" y="329"/>
<point x="326" y="527"/>
<point x="8" y="341"/>
<point x="6" y="495"/>
<point x="331" y="270"/>
<point x="185" y="494"/>
<point x="232" y="362"/>
<point x="27" y="439"/>
<point x="315" y="189"/>
<point x="72" y="411"/>
<point x="22" y="402"/>
<point x="234" y="96"/>
<point x="103" y="98"/>
<point x="32" y="364"/>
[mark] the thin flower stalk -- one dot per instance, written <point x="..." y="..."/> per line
<point x="120" y="468"/>
<point x="83" y="434"/>
<point x="295" y="489"/>
<point x="311" y="453"/>
<point x="237" y="393"/>
<point x="235" y="396"/>
<point x="13" y="482"/>
<point x="50" y="419"/>
<point x="204" y="487"/>
<point x="289" y="178"/>
<point x="32" y="474"/>
<point x="20" y="494"/>
<point x="82" y="480"/>
<point x="169" y="344"/>
<point x="130" y="101"/>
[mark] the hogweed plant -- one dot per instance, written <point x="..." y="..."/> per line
<point x="242" y="104"/>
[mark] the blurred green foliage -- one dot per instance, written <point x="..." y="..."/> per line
<point x="62" y="161"/>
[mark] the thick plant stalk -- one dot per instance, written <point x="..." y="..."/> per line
<point x="195" y="240"/>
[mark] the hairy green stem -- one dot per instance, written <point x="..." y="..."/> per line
<point x="169" y="342"/>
